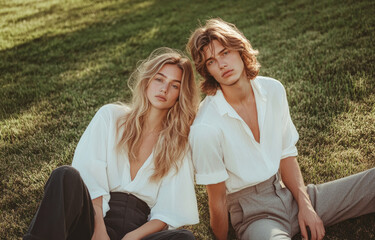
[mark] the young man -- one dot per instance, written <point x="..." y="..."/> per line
<point x="243" y="142"/>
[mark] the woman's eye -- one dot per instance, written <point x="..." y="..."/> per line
<point x="209" y="62"/>
<point x="226" y="53"/>
<point x="175" y="86"/>
<point x="158" y="79"/>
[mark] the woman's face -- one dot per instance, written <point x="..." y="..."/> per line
<point x="164" y="88"/>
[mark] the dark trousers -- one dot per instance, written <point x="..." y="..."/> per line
<point x="66" y="212"/>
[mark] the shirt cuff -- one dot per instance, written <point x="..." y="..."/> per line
<point x="289" y="152"/>
<point x="212" y="178"/>
<point x="173" y="224"/>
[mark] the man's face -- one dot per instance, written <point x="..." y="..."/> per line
<point x="225" y="65"/>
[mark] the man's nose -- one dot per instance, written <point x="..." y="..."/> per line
<point x="222" y="64"/>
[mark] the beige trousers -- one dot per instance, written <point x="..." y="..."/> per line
<point x="269" y="211"/>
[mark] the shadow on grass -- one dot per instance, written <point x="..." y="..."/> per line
<point x="62" y="79"/>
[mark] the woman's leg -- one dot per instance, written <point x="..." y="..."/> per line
<point x="66" y="210"/>
<point x="126" y="214"/>
<point x="179" y="234"/>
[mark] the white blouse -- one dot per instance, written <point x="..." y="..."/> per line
<point x="104" y="170"/>
<point x="224" y="148"/>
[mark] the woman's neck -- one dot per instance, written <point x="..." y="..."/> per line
<point x="154" y="121"/>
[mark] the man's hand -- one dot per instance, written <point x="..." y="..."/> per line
<point x="307" y="217"/>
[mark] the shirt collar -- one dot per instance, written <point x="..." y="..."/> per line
<point x="224" y="107"/>
<point x="258" y="88"/>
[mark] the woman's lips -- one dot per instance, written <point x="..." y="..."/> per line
<point x="161" y="98"/>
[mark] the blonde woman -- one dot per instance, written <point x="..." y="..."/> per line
<point x="131" y="175"/>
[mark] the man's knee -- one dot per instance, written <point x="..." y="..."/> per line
<point x="265" y="229"/>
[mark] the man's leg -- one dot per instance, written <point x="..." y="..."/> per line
<point x="266" y="229"/>
<point x="262" y="211"/>
<point x="66" y="210"/>
<point x="180" y="234"/>
<point x="342" y="199"/>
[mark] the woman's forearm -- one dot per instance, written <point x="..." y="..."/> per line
<point x="100" y="231"/>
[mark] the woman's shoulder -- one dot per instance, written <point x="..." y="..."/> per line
<point x="113" y="111"/>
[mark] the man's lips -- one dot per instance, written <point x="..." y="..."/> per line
<point x="161" y="98"/>
<point x="226" y="73"/>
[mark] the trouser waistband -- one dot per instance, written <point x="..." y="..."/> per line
<point x="258" y="188"/>
<point x="131" y="200"/>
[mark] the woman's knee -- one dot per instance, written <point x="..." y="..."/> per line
<point x="66" y="175"/>
<point x="184" y="234"/>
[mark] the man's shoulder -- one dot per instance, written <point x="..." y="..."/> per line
<point x="268" y="82"/>
<point x="272" y="86"/>
<point x="207" y="112"/>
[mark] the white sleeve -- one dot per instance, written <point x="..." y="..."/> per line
<point x="176" y="203"/>
<point x="90" y="158"/>
<point x="207" y="154"/>
<point x="290" y="134"/>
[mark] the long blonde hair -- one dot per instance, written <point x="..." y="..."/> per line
<point x="172" y="142"/>
<point x="230" y="37"/>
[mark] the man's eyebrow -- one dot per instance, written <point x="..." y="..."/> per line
<point x="174" y="80"/>
<point x="222" y="50"/>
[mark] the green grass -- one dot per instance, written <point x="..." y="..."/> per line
<point x="61" y="60"/>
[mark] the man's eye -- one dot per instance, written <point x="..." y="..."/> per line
<point x="209" y="62"/>
<point x="226" y="53"/>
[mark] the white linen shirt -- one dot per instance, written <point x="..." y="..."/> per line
<point x="104" y="170"/>
<point x="224" y="148"/>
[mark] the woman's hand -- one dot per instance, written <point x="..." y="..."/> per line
<point x="131" y="236"/>
<point x="100" y="235"/>
<point x="146" y="229"/>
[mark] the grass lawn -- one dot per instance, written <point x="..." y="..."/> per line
<point x="61" y="60"/>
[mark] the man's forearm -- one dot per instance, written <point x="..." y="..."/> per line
<point x="293" y="180"/>
<point x="219" y="222"/>
<point x="218" y="210"/>
<point x="307" y="217"/>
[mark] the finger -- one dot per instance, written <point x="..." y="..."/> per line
<point x="313" y="231"/>
<point x="302" y="226"/>
<point x="322" y="232"/>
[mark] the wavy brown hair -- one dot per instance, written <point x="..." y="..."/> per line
<point x="230" y="37"/>
<point x="172" y="143"/>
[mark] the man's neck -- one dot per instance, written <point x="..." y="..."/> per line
<point x="241" y="92"/>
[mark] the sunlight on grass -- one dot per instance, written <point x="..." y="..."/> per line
<point x="24" y="21"/>
<point x="61" y="60"/>
<point x="25" y="123"/>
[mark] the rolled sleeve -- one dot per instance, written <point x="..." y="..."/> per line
<point x="176" y="203"/>
<point x="290" y="135"/>
<point x="207" y="155"/>
<point x="90" y="159"/>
